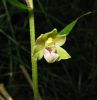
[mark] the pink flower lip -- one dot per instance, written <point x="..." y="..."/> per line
<point x="50" y="55"/>
<point x="51" y="50"/>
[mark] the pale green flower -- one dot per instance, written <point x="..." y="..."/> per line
<point x="48" y="45"/>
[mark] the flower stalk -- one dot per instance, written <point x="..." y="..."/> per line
<point x="32" y="40"/>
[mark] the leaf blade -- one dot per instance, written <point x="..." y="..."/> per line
<point x="70" y="26"/>
<point x="18" y="4"/>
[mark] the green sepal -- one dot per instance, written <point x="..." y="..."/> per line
<point x="43" y="37"/>
<point x="38" y="52"/>
<point x="62" y="54"/>
<point x="60" y="40"/>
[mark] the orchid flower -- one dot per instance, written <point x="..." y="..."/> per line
<point x="48" y="45"/>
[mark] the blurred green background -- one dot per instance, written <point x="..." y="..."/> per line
<point x="72" y="79"/>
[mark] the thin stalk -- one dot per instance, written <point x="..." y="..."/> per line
<point x="27" y="76"/>
<point x="32" y="40"/>
<point x="4" y="93"/>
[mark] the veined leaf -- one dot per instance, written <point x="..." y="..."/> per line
<point x="18" y="4"/>
<point x="69" y="27"/>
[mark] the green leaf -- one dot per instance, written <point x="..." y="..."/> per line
<point x="18" y="4"/>
<point x="70" y="26"/>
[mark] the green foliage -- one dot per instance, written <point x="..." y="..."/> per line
<point x="18" y="4"/>
<point x="69" y="27"/>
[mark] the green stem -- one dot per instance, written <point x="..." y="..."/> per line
<point x="33" y="60"/>
<point x="35" y="79"/>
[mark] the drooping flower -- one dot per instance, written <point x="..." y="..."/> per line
<point x="48" y="45"/>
